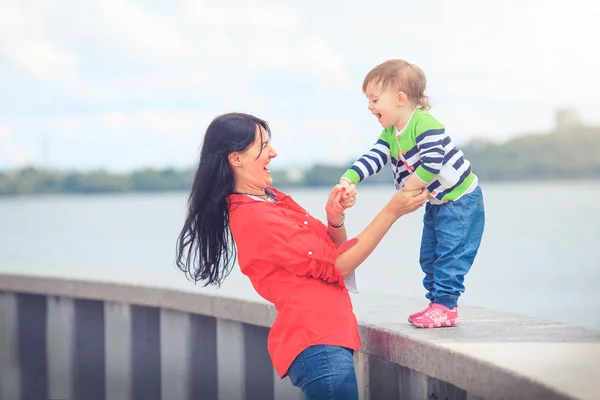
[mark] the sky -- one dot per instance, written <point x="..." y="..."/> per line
<point x="126" y="84"/>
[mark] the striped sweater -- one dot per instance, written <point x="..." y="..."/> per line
<point x="422" y="147"/>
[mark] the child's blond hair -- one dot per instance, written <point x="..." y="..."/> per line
<point x="402" y="76"/>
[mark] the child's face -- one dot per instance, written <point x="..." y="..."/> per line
<point x="385" y="104"/>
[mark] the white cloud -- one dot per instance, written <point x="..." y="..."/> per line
<point x="173" y="125"/>
<point x="5" y="132"/>
<point x="111" y="124"/>
<point x="309" y="55"/>
<point x="145" y="30"/>
<point x="11" y="154"/>
<point x="117" y="140"/>
<point x="525" y="51"/>
<point x="265" y="35"/>
<point x="464" y="122"/>
<point x="25" y="46"/>
<point x="321" y="139"/>
<point x="256" y="17"/>
<point x="101" y="77"/>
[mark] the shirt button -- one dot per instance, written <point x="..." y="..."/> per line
<point x="310" y="253"/>
<point x="305" y="222"/>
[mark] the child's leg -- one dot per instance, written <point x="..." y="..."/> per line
<point x="428" y="247"/>
<point x="427" y="257"/>
<point x="459" y="228"/>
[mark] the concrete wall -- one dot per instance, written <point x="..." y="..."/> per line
<point x="81" y="340"/>
<point x="60" y="347"/>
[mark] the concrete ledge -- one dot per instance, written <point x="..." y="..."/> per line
<point x="492" y="355"/>
<point x="249" y="312"/>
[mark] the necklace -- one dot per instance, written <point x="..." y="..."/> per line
<point x="250" y="194"/>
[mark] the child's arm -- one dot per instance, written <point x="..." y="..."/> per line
<point x="370" y="163"/>
<point x="414" y="183"/>
<point x="430" y="143"/>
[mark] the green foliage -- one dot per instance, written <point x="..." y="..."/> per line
<point x="38" y="181"/>
<point x="538" y="157"/>
<point x="541" y="157"/>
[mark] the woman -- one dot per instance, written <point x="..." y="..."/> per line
<point x="292" y="259"/>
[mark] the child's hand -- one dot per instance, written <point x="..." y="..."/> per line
<point x="346" y="197"/>
<point x="334" y="201"/>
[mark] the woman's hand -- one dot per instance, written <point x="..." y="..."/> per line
<point x="340" y="198"/>
<point x="347" y="197"/>
<point x="402" y="202"/>
<point x="347" y="201"/>
<point x="406" y="201"/>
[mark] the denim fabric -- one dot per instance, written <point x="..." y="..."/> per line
<point x="325" y="373"/>
<point x="451" y="237"/>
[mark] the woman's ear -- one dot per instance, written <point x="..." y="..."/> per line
<point x="234" y="159"/>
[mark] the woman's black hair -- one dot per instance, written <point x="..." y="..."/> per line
<point x="206" y="250"/>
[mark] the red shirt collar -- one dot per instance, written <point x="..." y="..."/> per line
<point x="236" y="199"/>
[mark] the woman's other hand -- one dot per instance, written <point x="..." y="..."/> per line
<point x="406" y="201"/>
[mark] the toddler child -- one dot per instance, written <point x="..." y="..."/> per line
<point x="422" y="155"/>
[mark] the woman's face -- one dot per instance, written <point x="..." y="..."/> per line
<point x="251" y="166"/>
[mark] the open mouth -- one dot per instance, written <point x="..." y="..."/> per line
<point x="378" y="115"/>
<point x="265" y="167"/>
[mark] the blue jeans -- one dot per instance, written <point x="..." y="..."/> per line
<point x="451" y="236"/>
<point x="325" y="373"/>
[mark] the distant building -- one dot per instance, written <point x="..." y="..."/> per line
<point x="567" y="119"/>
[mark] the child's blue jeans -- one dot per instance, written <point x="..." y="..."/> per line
<point x="451" y="236"/>
<point x="325" y="373"/>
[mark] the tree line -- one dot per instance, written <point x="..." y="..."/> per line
<point x="534" y="157"/>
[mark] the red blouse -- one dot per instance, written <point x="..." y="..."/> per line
<point x="289" y="258"/>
